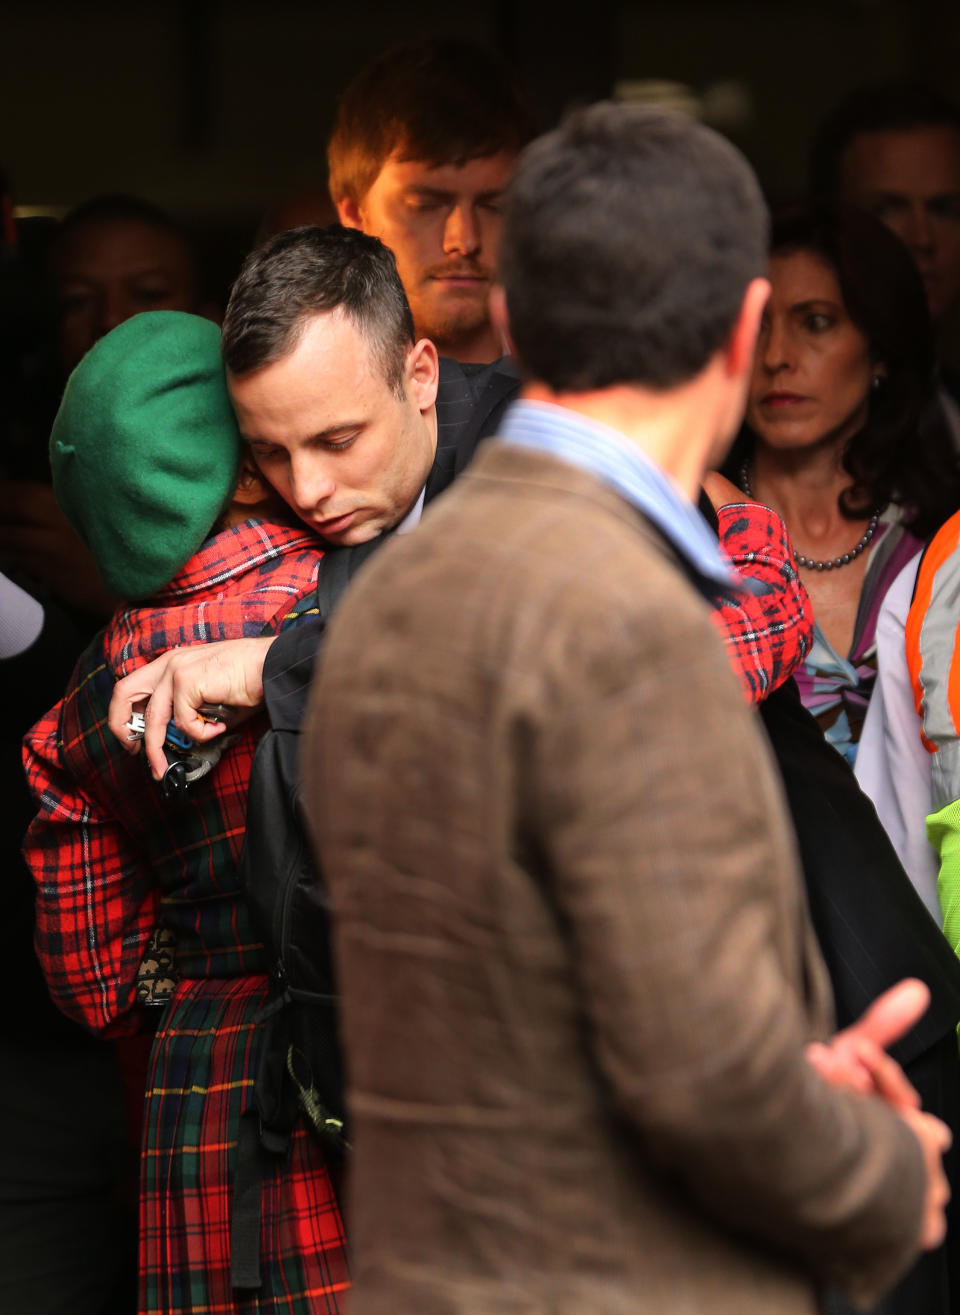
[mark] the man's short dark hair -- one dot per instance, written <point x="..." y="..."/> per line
<point x="630" y="236"/>
<point x="440" y="101"/>
<point x="880" y="107"/>
<point x="301" y="273"/>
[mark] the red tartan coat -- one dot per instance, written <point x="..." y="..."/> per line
<point x="111" y="857"/>
<point x="113" y="860"/>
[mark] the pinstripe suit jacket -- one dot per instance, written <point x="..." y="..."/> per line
<point x="576" y="965"/>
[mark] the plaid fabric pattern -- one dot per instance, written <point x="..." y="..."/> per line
<point x="111" y="857"/>
<point x="200" y="1082"/>
<point x="767" y="631"/>
<point x="302" y="610"/>
<point x="112" y="860"/>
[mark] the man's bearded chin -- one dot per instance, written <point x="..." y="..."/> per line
<point x="448" y="323"/>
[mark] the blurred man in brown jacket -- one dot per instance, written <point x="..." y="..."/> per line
<point x="579" y="981"/>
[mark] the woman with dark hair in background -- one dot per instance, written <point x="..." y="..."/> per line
<point x="843" y="438"/>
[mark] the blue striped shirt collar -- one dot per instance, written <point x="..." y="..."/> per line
<point x="609" y="456"/>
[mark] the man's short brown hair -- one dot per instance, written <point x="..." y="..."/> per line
<point x="299" y="274"/>
<point x="438" y="101"/>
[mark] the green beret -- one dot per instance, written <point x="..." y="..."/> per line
<point x="145" y="448"/>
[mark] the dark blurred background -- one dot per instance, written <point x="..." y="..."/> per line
<point x="217" y="109"/>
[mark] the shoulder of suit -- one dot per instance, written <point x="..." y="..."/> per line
<point x="464" y="385"/>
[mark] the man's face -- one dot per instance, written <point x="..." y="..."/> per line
<point x="108" y="271"/>
<point x="331" y="435"/>
<point x="911" y="180"/>
<point x="443" y="226"/>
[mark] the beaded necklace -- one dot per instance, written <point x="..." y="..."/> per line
<point x="813" y="563"/>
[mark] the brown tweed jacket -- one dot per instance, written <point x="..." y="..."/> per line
<point x="576" y="964"/>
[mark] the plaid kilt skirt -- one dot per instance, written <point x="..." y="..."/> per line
<point x="201" y="1077"/>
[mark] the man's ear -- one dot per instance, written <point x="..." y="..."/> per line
<point x="500" y="318"/>
<point x="742" y="342"/>
<point x="348" y="212"/>
<point x="422" y="373"/>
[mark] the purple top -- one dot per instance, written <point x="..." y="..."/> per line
<point x="836" y="689"/>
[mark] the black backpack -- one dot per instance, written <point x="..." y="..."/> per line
<point x="299" y="1069"/>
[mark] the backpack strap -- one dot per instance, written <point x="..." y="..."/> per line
<point x="263" y="1142"/>
<point x="252" y="1166"/>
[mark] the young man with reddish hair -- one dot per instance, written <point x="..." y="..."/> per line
<point x="424" y="143"/>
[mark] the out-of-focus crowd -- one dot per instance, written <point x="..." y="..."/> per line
<point x="176" y="473"/>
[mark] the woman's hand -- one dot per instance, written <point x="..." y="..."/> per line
<point x="721" y="492"/>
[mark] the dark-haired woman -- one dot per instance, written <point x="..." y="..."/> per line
<point x="844" y="440"/>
